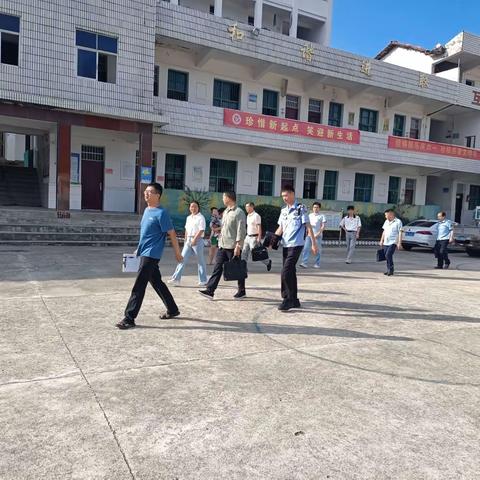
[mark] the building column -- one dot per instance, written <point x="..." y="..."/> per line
<point x="294" y="21"/>
<point x="64" y="140"/>
<point x="258" y="14"/>
<point x="218" y="8"/>
<point x="145" y="154"/>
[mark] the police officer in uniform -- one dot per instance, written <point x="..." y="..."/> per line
<point x="293" y="225"/>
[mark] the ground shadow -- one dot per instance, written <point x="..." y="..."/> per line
<point x="272" y="329"/>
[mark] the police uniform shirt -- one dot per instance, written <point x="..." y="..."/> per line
<point x="444" y="229"/>
<point x="391" y="231"/>
<point x="293" y="221"/>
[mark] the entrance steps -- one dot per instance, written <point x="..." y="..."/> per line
<point x="19" y="186"/>
<point x="21" y="226"/>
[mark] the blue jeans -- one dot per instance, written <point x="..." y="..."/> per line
<point x="187" y="252"/>
<point x="307" y="251"/>
<point x="389" y="251"/>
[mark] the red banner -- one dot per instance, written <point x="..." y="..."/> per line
<point x="285" y="126"/>
<point x="399" y="143"/>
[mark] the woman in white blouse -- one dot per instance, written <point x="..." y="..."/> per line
<point x="352" y="225"/>
<point x="194" y="245"/>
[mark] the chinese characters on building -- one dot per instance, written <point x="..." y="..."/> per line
<point x="235" y="118"/>
<point x="235" y="32"/>
<point x="307" y="52"/>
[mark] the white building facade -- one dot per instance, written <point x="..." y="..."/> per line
<point x="243" y="95"/>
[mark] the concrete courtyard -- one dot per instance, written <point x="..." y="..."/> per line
<point x="376" y="378"/>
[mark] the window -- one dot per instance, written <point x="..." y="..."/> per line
<point x="393" y="190"/>
<point x="9" y="39"/>
<point x="410" y="184"/>
<point x="470" y="141"/>
<point x="288" y="177"/>
<point x="226" y="94"/>
<point x="223" y="175"/>
<point x="470" y="83"/>
<point x="270" y="103"/>
<point x="212" y="9"/>
<point x="363" y="187"/>
<point x="177" y="88"/>
<point x="368" y="120"/>
<point x="310" y="182"/>
<point x="96" y="56"/>
<point x="399" y="125"/>
<point x="174" y="171"/>
<point x="292" y="107"/>
<point x="156" y="80"/>
<point x="415" y="125"/>
<point x="335" y="114"/>
<point x="95" y="154"/>
<point x="266" y="175"/>
<point x="474" y="197"/>
<point x="315" y="108"/>
<point x="330" y="185"/>
<point x="251" y="20"/>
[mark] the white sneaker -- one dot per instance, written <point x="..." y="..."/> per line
<point x="303" y="265"/>
<point x="202" y="284"/>
<point x="173" y="282"/>
<point x="348" y="261"/>
<point x="316" y="266"/>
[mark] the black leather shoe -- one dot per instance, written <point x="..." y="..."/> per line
<point x="269" y="265"/>
<point x="125" y="324"/>
<point x="285" y="306"/>
<point x="241" y="294"/>
<point x="296" y="303"/>
<point x="389" y="274"/>
<point x="438" y="267"/>
<point x="447" y="265"/>
<point x="206" y="294"/>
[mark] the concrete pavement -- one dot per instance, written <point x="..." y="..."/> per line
<point x="376" y="378"/>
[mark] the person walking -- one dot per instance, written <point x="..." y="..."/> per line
<point x="155" y="226"/>
<point x="391" y="238"/>
<point x="254" y="234"/>
<point x="215" y="227"/>
<point x="444" y="232"/>
<point x="293" y="225"/>
<point x="351" y="225"/>
<point x="318" y="223"/>
<point x="232" y="238"/>
<point x="194" y="245"/>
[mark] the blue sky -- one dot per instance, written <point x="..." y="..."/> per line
<point x="366" y="26"/>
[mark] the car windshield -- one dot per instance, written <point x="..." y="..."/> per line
<point x="422" y="223"/>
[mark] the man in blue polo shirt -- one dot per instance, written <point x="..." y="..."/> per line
<point x="444" y="232"/>
<point x="156" y="225"/>
<point x="293" y="227"/>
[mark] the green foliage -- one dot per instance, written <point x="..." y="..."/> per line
<point x="269" y="214"/>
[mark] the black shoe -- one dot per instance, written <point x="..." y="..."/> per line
<point x="168" y="315"/>
<point x="286" y="305"/>
<point x="296" y="303"/>
<point x="438" y="267"/>
<point x="386" y="273"/>
<point x="390" y="273"/>
<point x="125" y="324"/>
<point x="269" y="265"/>
<point x="447" y="265"/>
<point x="206" y="294"/>
<point x="241" y="294"/>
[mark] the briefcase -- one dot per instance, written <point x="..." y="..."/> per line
<point x="235" y="269"/>
<point x="381" y="255"/>
<point x="130" y="263"/>
<point x="259" y="253"/>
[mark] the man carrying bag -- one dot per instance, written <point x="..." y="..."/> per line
<point x="231" y="241"/>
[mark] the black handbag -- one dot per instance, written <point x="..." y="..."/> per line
<point x="381" y="255"/>
<point x="259" y="253"/>
<point x="235" y="269"/>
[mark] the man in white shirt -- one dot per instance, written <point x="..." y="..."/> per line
<point x="318" y="223"/>
<point x="351" y="224"/>
<point x="194" y="245"/>
<point x="254" y="233"/>
<point x="391" y="238"/>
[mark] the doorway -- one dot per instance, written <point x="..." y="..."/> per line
<point x="93" y="160"/>
<point x="458" y="207"/>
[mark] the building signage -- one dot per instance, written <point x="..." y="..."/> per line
<point x="476" y="98"/>
<point x="285" y="126"/>
<point x="420" y="146"/>
<point x="146" y="174"/>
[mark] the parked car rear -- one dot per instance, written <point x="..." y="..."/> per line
<point x="473" y="246"/>
<point x="419" y="233"/>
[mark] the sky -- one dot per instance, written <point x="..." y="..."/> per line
<point x="367" y="26"/>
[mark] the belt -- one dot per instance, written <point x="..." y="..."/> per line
<point x="254" y="235"/>
<point x="351" y="231"/>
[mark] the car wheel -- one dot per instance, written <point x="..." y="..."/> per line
<point x="406" y="247"/>
<point x="473" y="253"/>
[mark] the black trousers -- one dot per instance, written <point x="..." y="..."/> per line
<point x="289" y="272"/>
<point x="389" y="251"/>
<point x="224" y="255"/>
<point x="148" y="272"/>
<point x="441" y="252"/>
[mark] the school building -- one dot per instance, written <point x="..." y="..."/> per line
<point x="215" y="95"/>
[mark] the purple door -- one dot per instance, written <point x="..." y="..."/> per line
<point x="92" y="185"/>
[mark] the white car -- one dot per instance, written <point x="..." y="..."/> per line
<point x="420" y="233"/>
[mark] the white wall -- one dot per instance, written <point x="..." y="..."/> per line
<point x="410" y="59"/>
